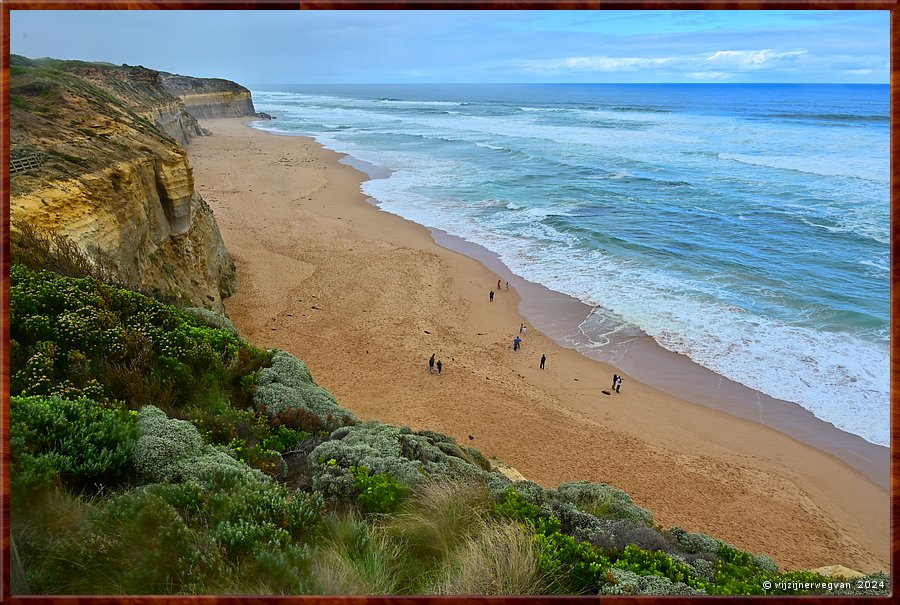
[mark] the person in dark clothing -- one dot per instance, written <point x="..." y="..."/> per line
<point x="431" y="364"/>
<point x="543" y="359"/>
<point x="492" y="296"/>
<point x="615" y="379"/>
<point x="516" y="343"/>
<point x="440" y="367"/>
<point x="618" y="383"/>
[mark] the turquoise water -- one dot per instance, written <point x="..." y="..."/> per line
<point x="745" y="226"/>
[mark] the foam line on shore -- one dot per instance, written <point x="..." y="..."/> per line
<point x="559" y="315"/>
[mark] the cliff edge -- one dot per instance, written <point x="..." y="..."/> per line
<point x="97" y="156"/>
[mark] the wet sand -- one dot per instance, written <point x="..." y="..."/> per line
<point x="365" y="297"/>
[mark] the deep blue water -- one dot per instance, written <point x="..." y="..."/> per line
<point x="746" y="226"/>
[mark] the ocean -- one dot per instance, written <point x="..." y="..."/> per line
<point x="744" y="226"/>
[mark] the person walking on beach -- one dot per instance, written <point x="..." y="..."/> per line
<point x="524" y="329"/>
<point x="492" y="296"/>
<point x="520" y="328"/>
<point x="440" y="367"/>
<point x="431" y="364"/>
<point x="498" y="284"/>
<point x="516" y="343"/>
<point x="543" y="359"/>
<point x="618" y="383"/>
<point x="507" y="285"/>
<point x="615" y="380"/>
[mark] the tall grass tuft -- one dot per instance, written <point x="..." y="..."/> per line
<point x="499" y="559"/>
<point x="438" y="517"/>
<point x="356" y="559"/>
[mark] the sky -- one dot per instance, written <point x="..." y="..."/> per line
<point x="302" y="47"/>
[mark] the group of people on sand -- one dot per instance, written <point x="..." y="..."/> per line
<point x="431" y="364"/>
<point x="517" y="344"/>
<point x="491" y="295"/>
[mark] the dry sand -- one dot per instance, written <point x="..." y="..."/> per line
<point x="365" y="297"/>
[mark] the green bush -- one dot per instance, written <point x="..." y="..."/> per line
<point x="603" y="501"/>
<point x="572" y="567"/>
<point x="84" y="337"/>
<point x="378" y="493"/>
<point x="657" y="563"/>
<point x="80" y="442"/>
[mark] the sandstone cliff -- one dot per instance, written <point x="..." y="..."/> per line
<point x="209" y="97"/>
<point x="100" y="161"/>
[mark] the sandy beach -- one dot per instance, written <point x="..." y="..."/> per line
<point x="365" y="297"/>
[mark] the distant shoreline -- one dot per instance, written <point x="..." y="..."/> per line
<point x="364" y="297"/>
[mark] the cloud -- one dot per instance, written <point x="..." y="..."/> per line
<point x="752" y="59"/>
<point x="592" y="64"/>
<point x="709" y="75"/>
<point x="858" y="72"/>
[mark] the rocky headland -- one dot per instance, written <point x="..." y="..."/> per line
<point x="97" y="156"/>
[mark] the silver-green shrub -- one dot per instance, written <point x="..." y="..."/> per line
<point x="704" y="569"/>
<point x="630" y="583"/>
<point x="288" y="385"/>
<point x="532" y="492"/>
<point x="693" y="543"/>
<point x="603" y="501"/>
<point x="766" y="563"/>
<point x="212" y="319"/>
<point x="385" y="449"/>
<point x="578" y="524"/>
<point x="169" y="450"/>
<point x="285" y="369"/>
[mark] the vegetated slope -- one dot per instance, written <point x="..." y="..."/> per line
<point x="93" y="158"/>
<point x="155" y="451"/>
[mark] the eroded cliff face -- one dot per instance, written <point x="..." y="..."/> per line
<point x="112" y="178"/>
<point x="210" y="97"/>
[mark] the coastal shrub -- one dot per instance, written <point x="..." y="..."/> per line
<point x="171" y="450"/>
<point x="82" y="336"/>
<point x="287" y="385"/>
<point x="738" y="573"/>
<point x="383" y="449"/>
<point x="603" y="501"/>
<point x="80" y="442"/>
<point x="212" y="319"/>
<point x="630" y="583"/>
<point x="229" y="533"/>
<point x="570" y="566"/>
<point x="640" y="561"/>
<point x="516" y="507"/>
<point x="615" y="535"/>
<point x="287" y="370"/>
<point x="377" y="493"/>
<point x="692" y="543"/>
<point x="765" y="563"/>
<point x="580" y="525"/>
<point x="531" y="492"/>
<point x="127" y="545"/>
